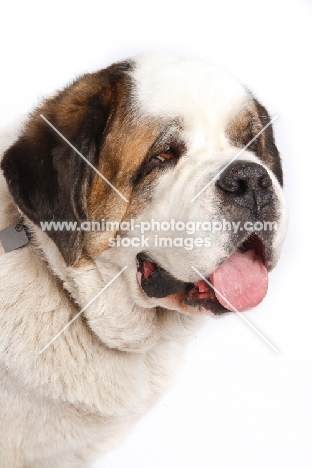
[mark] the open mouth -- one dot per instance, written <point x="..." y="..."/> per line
<point x="238" y="283"/>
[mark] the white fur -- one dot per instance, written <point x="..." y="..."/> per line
<point x="77" y="398"/>
<point x="204" y="99"/>
<point x="65" y="406"/>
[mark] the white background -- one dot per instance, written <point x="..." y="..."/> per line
<point x="235" y="403"/>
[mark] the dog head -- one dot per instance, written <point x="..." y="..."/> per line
<point x="181" y="149"/>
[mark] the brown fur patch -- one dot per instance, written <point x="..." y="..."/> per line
<point x="245" y="125"/>
<point x="124" y="148"/>
<point x="125" y="143"/>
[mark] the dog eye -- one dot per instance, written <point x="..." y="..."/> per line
<point x="161" y="160"/>
<point x="166" y="155"/>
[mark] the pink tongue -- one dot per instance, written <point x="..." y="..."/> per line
<point x="241" y="281"/>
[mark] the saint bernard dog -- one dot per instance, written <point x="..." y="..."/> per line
<point x="93" y="322"/>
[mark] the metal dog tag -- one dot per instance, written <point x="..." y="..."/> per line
<point x="13" y="237"/>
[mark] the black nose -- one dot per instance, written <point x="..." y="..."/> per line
<point x="247" y="184"/>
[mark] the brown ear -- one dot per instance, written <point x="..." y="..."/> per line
<point x="48" y="180"/>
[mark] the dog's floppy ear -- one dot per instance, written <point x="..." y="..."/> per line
<point x="48" y="180"/>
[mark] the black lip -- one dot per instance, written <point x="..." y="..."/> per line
<point x="161" y="284"/>
<point x="213" y="306"/>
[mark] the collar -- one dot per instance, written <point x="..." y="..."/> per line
<point x="15" y="236"/>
